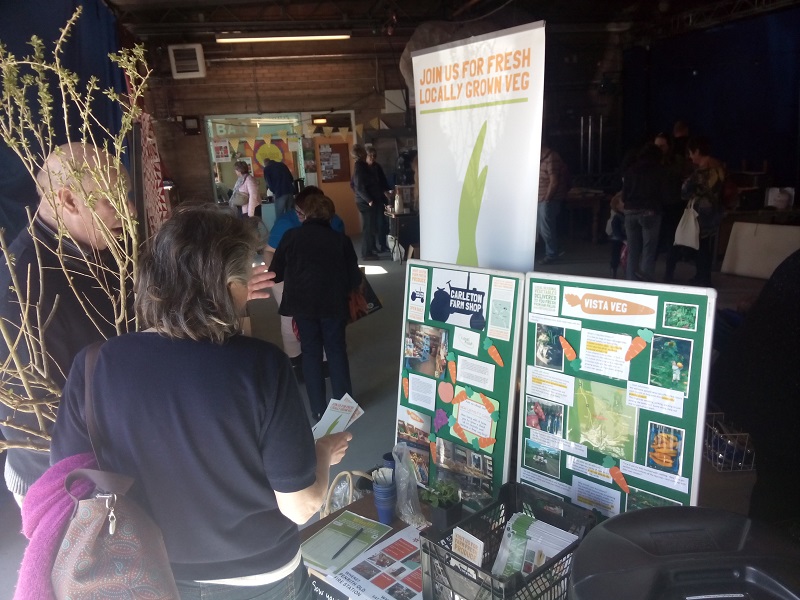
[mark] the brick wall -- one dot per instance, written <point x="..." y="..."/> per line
<point x="354" y="81"/>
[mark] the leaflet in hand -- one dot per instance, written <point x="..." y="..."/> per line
<point x="339" y="415"/>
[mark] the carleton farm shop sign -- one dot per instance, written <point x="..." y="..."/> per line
<point x="460" y="298"/>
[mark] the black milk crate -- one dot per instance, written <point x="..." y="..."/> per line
<point x="448" y="576"/>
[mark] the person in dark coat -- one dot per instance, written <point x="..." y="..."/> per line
<point x="319" y="269"/>
<point x="645" y="191"/>
<point x="755" y="381"/>
<point x="369" y="198"/>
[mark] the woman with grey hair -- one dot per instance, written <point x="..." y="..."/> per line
<point x="208" y="422"/>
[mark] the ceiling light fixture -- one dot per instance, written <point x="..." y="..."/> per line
<point x="282" y="36"/>
<point x="319" y="121"/>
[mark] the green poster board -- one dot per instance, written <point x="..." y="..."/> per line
<point x="613" y="394"/>
<point x="458" y="368"/>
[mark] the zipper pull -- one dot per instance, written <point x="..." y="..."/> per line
<point x="111" y="500"/>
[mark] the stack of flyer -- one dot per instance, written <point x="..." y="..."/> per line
<point x="339" y="415"/>
<point x="527" y="544"/>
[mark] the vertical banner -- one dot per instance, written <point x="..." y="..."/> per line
<point x="479" y="128"/>
<point x="613" y="395"/>
<point x="459" y="367"/>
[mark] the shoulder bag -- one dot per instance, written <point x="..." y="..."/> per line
<point x="688" y="231"/>
<point x="240" y="198"/>
<point x="112" y="548"/>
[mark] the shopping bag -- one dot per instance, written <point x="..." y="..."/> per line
<point x="688" y="231"/>
<point x="363" y="300"/>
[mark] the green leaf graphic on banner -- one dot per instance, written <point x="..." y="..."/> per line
<point x="470" y="205"/>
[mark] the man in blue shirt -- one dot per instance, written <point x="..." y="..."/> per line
<point x="280" y="182"/>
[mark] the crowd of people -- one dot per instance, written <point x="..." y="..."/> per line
<point x="662" y="183"/>
<point x="231" y="422"/>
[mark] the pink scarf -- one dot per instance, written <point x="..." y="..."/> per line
<point x="46" y="511"/>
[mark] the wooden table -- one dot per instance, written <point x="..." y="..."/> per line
<point x="364" y="507"/>
<point x="404" y="228"/>
<point x="585" y="199"/>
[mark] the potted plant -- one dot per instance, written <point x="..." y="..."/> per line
<point x="444" y="498"/>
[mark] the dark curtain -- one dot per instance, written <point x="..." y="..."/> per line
<point x="86" y="53"/>
<point x="736" y="83"/>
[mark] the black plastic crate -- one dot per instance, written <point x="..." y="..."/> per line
<point x="448" y="576"/>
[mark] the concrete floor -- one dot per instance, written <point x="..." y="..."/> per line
<point x="374" y="346"/>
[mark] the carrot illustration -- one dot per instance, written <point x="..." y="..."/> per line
<point x="451" y="366"/>
<point x="432" y="445"/>
<point x="572" y="299"/>
<point x="619" y="479"/>
<point x="598" y="304"/>
<point x="405" y="384"/>
<point x="487" y="403"/>
<point x="460" y="432"/>
<point x="637" y="345"/>
<point x="569" y="351"/>
<point x="494" y="353"/>
<point x="460" y="397"/>
<point x="485" y="442"/>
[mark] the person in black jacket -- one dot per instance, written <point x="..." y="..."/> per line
<point x="319" y="269"/>
<point x="645" y="189"/>
<point x="77" y="310"/>
<point x="369" y="200"/>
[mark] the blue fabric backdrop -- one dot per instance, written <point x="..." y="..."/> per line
<point x="737" y="84"/>
<point x="86" y="53"/>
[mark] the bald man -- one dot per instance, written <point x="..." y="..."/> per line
<point x="71" y="201"/>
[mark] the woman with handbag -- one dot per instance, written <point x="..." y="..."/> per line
<point x="245" y="199"/>
<point x="208" y="422"/>
<point x="697" y="230"/>
<point x="320" y="268"/>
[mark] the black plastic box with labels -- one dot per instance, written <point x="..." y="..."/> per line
<point x="448" y="576"/>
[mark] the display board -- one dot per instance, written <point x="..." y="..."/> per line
<point x="613" y="401"/>
<point x="458" y="368"/>
<point x="334" y="162"/>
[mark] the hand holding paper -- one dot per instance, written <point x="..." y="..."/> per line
<point x="339" y="415"/>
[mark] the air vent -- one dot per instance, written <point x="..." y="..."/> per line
<point x="186" y="61"/>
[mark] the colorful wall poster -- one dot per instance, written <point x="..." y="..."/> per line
<point x="614" y="391"/>
<point x="458" y="371"/>
<point x="473" y="98"/>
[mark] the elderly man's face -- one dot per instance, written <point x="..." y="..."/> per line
<point x="89" y="229"/>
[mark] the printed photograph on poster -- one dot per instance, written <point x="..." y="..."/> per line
<point x="680" y="316"/>
<point x="413" y="428"/>
<point x="544" y="415"/>
<point x="459" y="298"/>
<point x="542" y="458"/>
<point x="422" y="391"/>
<point x="601" y="419"/>
<point x="544" y="299"/>
<point x="671" y="363"/>
<point x="641" y="499"/>
<point x="501" y="306"/>
<point x="366" y="569"/>
<point x="476" y="421"/>
<point x="222" y="151"/>
<point x="425" y="350"/>
<point x="401" y="592"/>
<point x="418" y="284"/>
<point x="471" y="471"/>
<point x="549" y="353"/>
<point x="664" y="448"/>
